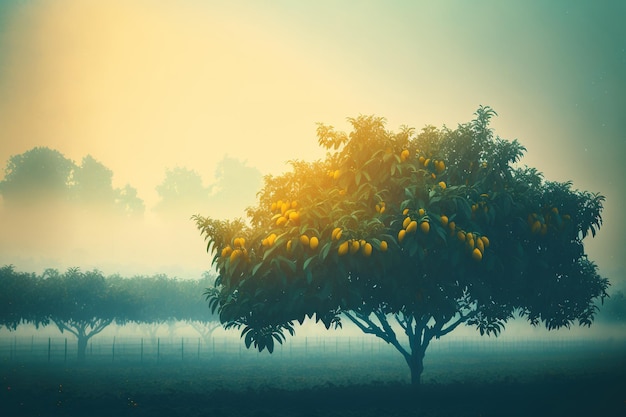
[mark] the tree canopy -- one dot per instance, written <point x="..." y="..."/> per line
<point x="416" y="232"/>
<point x="38" y="173"/>
<point x="85" y="303"/>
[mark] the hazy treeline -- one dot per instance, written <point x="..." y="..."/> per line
<point x="42" y="175"/>
<point x="55" y="212"/>
<point x="614" y="308"/>
<point x="85" y="303"/>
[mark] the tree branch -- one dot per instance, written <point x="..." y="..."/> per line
<point x="98" y="327"/>
<point x="79" y="328"/>
<point x="404" y="323"/>
<point x="388" y="335"/>
<point x="462" y="319"/>
<point x="360" y="325"/>
<point x="382" y="318"/>
<point x="62" y="327"/>
<point x="418" y="332"/>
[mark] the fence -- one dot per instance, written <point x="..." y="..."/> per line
<point x="139" y="349"/>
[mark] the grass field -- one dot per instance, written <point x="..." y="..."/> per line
<point x="584" y="380"/>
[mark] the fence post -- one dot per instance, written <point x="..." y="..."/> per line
<point x="113" y="350"/>
<point x="141" y="355"/>
<point x="65" y="356"/>
<point x="158" y="348"/>
<point x="198" y="348"/>
<point x="48" y="349"/>
<point x="182" y="348"/>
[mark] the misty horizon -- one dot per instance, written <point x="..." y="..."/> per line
<point x="61" y="230"/>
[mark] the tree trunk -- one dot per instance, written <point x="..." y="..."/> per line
<point x="82" y="347"/>
<point x="415" y="360"/>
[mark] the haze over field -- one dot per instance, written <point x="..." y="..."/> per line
<point x="148" y="86"/>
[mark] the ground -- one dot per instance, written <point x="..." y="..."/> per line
<point x="573" y="381"/>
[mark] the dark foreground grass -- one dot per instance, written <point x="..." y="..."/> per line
<point x="583" y="383"/>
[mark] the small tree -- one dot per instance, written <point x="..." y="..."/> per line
<point x="165" y="300"/>
<point x="84" y="304"/>
<point x="420" y="233"/>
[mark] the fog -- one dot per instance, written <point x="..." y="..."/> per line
<point x="55" y="233"/>
<point x="224" y="93"/>
<point x="144" y="86"/>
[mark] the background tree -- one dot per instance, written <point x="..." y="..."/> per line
<point x="84" y="304"/>
<point x="93" y="183"/>
<point x="614" y="309"/>
<point x="37" y="175"/>
<point x="43" y="175"/>
<point x="197" y="313"/>
<point x="407" y="236"/>
<point x="165" y="300"/>
<point x="181" y="192"/>
<point x="236" y="185"/>
<point x="20" y="298"/>
<point x="128" y="202"/>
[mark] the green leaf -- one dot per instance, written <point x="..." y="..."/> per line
<point x="441" y="232"/>
<point x="308" y="261"/>
<point x="271" y="250"/>
<point x="290" y="264"/>
<point x="325" y="250"/>
<point x="256" y="268"/>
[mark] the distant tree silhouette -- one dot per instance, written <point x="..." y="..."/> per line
<point x="92" y="183"/>
<point x="36" y="175"/>
<point x="181" y="192"/>
<point x="43" y="175"/>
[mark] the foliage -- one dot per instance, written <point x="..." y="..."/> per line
<point x="162" y="299"/>
<point x="20" y="298"/>
<point x="92" y="182"/>
<point x="432" y="229"/>
<point x="128" y="202"/>
<point x="38" y="173"/>
<point x="85" y="303"/>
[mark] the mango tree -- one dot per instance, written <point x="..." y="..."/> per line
<point x="407" y="236"/>
<point x="85" y="303"/>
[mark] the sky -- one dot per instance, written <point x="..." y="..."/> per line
<point x="147" y="85"/>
